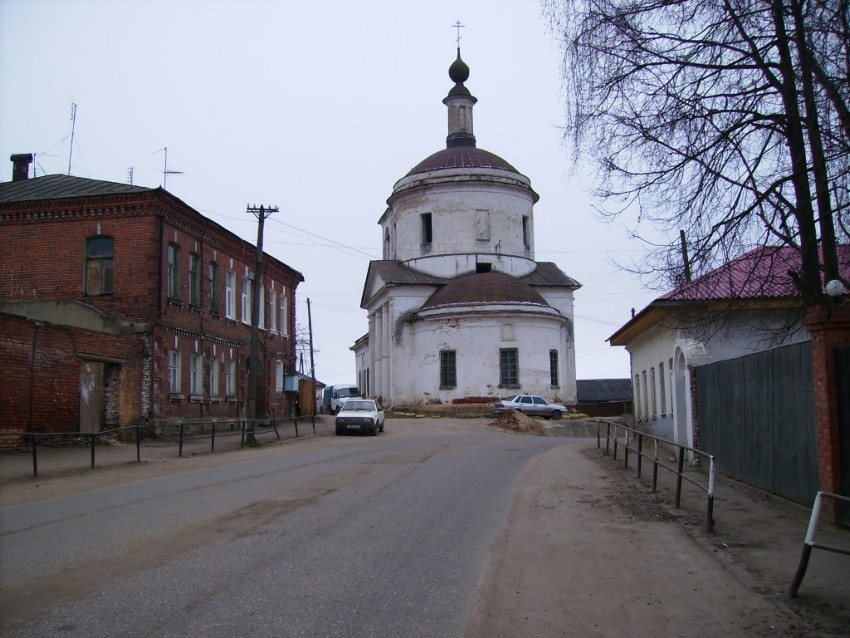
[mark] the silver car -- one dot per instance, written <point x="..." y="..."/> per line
<point x="360" y="415"/>
<point x="532" y="405"/>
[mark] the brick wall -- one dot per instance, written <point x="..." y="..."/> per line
<point x="829" y="326"/>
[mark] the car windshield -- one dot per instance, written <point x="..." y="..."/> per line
<point x="359" y="406"/>
<point x="348" y="392"/>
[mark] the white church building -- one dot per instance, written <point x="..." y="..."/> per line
<point x="459" y="310"/>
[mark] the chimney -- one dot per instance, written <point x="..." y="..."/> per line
<point x="21" y="166"/>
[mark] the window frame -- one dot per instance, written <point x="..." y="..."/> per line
<point x="175" y="371"/>
<point x="554" y="369"/>
<point x="195" y="279"/>
<point x="105" y="267"/>
<point x="212" y="280"/>
<point x="196" y="374"/>
<point x="173" y="272"/>
<point x="230" y="294"/>
<point x="509" y="368"/>
<point x="448" y="369"/>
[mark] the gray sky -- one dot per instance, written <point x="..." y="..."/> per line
<point x="318" y="107"/>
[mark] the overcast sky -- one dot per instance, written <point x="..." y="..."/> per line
<point x="318" y="107"/>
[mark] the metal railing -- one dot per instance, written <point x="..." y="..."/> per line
<point x="633" y="441"/>
<point x="810" y="543"/>
<point x="92" y="437"/>
<point x="198" y="430"/>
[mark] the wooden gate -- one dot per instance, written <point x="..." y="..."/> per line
<point x="757" y="416"/>
<point x="91" y="396"/>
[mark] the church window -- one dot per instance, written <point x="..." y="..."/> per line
<point x="483" y="266"/>
<point x="482" y="225"/>
<point x="448" y="369"/>
<point x="427" y="230"/>
<point x="553" y="368"/>
<point x="526" y="238"/>
<point x="509" y="367"/>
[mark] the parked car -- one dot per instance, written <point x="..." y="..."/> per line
<point x="532" y="405"/>
<point x="360" y="415"/>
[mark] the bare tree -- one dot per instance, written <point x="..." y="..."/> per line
<point x="729" y="119"/>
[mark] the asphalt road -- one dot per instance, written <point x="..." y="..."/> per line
<point x="351" y="536"/>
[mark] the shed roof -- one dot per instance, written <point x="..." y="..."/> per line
<point x="62" y="187"/>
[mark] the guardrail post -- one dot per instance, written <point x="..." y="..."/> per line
<point x="92" y="436"/>
<point x="626" y="449"/>
<point x="313" y="418"/>
<point x="212" y="443"/>
<point x="616" y="442"/>
<point x="138" y="443"/>
<point x="655" y="468"/>
<point x="34" y="453"/>
<point x="295" y="421"/>
<point x="709" y="523"/>
<point x="274" y="427"/>
<point x="608" y="439"/>
<point x="640" y="453"/>
<point x="679" y="476"/>
<point x="242" y="430"/>
<point x="180" y="444"/>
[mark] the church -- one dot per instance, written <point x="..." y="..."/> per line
<point x="459" y="310"/>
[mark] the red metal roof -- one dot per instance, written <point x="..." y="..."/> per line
<point x="461" y="157"/>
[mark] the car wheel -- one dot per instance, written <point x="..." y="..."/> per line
<point x="556" y="414"/>
<point x="375" y="430"/>
<point x="338" y="431"/>
<point x="382" y="426"/>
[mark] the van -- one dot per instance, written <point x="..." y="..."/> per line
<point x="333" y="396"/>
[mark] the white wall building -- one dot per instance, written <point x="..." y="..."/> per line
<point x="458" y="308"/>
<point x="746" y="306"/>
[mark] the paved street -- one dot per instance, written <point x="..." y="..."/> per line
<point x="435" y="528"/>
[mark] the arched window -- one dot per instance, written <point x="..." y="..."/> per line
<point x="99" y="265"/>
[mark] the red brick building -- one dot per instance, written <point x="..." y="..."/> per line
<point x="121" y="304"/>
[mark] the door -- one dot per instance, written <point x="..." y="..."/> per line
<point x="91" y="396"/>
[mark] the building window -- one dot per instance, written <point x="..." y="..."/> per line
<point x="174" y="385"/>
<point x="99" y="265"/>
<point x="637" y="396"/>
<point x="273" y="310"/>
<point x="174" y="272"/>
<point x="261" y="320"/>
<point x="230" y="378"/>
<point x="553" y="368"/>
<point x="645" y="398"/>
<point x="284" y="313"/>
<point x="448" y="369"/>
<point x="212" y="276"/>
<point x="427" y="230"/>
<point x="246" y="300"/>
<point x="662" y="387"/>
<point x="653" y="391"/>
<point x="230" y="295"/>
<point x="196" y="375"/>
<point x="526" y="234"/>
<point x="482" y="225"/>
<point x="195" y="280"/>
<point x="278" y="378"/>
<point x="214" y="387"/>
<point x="509" y="367"/>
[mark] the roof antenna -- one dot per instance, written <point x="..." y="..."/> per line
<point x="73" y="126"/>
<point x="457" y="25"/>
<point x="165" y="171"/>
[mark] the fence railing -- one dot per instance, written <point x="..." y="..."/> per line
<point x="199" y="430"/>
<point x="186" y="432"/>
<point x="810" y="543"/>
<point x="632" y="440"/>
<point x="91" y="438"/>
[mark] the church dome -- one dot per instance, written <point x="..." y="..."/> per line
<point x="485" y="287"/>
<point x="461" y="157"/>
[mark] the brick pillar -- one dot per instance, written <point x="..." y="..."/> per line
<point x="829" y="326"/>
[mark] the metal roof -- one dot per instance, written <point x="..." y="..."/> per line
<point x="62" y="187"/>
<point x="461" y="157"/>
<point x="603" y="390"/>
<point x="484" y="287"/>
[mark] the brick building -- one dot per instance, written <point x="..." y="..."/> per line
<point x="121" y="304"/>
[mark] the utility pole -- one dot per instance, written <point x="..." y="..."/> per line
<point x="312" y="361"/>
<point x="254" y="363"/>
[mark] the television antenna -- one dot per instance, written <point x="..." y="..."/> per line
<point x="165" y="171"/>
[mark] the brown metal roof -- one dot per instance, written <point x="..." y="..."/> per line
<point x="485" y="287"/>
<point x="62" y="187"/>
<point x="461" y="157"/>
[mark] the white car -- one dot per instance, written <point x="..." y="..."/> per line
<point x="360" y="415"/>
<point x="532" y="406"/>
